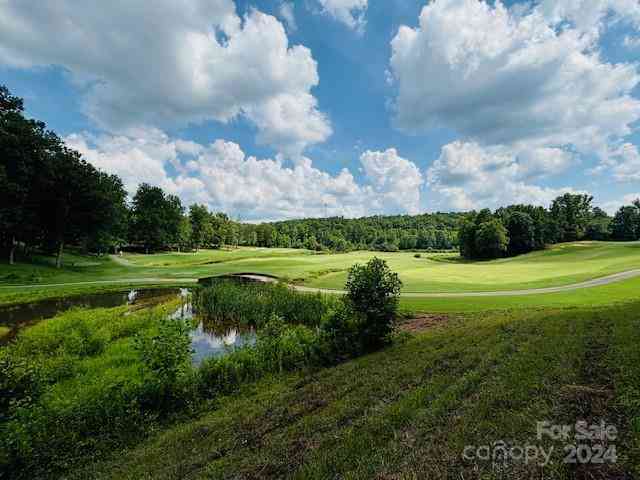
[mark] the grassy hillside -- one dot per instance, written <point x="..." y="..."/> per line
<point x="409" y="411"/>
<point x="485" y="374"/>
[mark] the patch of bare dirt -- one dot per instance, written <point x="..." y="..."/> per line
<point x="422" y="323"/>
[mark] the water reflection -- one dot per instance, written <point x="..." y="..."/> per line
<point x="213" y="343"/>
<point x="208" y="339"/>
<point x="17" y="317"/>
<point x="212" y="339"/>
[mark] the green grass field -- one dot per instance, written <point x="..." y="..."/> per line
<point x="559" y="265"/>
<point x="409" y="411"/>
<point x="489" y="369"/>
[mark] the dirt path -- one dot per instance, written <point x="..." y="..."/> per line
<point x="596" y="282"/>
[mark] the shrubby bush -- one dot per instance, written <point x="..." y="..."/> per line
<point x="222" y="375"/>
<point x="165" y="358"/>
<point x="339" y="337"/>
<point x="282" y="347"/>
<point x="372" y="292"/>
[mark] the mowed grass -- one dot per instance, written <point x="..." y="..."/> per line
<point x="622" y="292"/>
<point x="559" y="265"/>
<point x="209" y="257"/>
<point x="410" y="410"/>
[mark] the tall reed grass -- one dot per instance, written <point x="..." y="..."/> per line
<point x="255" y="303"/>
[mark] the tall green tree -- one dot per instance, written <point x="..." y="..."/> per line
<point x="373" y="290"/>
<point x="109" y="217"/>
<point x="521" y="230"/>
<point x="625" y="225"/>
<point x="599" y="226"/>
<point x="201" y="226"/>
<point x="492" y="239"/>
<point x="467" y="239"/>
<point x="185" y="236"/>
<point x="75" y="196"/>
<point x="572" y="213"/>
<point x="49" y="195"/>
<point x="156" y="218"/>
<point x="24" y="146"/>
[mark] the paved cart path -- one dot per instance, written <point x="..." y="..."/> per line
<point x="596" y="282"/>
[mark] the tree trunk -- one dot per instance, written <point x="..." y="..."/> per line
<point x="59" y="256"/>
<point x="12" y="251"/>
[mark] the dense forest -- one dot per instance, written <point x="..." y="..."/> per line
<point x="437" y="231"/>
<point x="51" y="197"/>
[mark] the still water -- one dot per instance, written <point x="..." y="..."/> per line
<point x="208" y="339"/>
<point x="17" y="317"/>
<point x="211" y="339"/>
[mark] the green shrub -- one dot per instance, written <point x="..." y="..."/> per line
<point x="280" y="347"/>
<point x="373" y="291"/>
<point x="73" y="333"/>
<point x="417" y="255"/>
<point x="20" y="382"/>
<point x="70" y="423"/>
<point x="222" y="375"/>
<point x="340" y="336"/>
<point x="165" y="355"/>
<point x="283" y="347"/>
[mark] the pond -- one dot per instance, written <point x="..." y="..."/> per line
<point x="207" y="338"/>
<point x="17" y="317"/>
<point x="211" y="339"/>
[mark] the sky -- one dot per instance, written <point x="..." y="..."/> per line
<point x="274" y="109"/>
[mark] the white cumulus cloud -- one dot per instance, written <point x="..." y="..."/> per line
<point x="515" y="77"/>
<point x="286" y="12"/>
<point x="222" y="176"/>
<point x="632" y="43"/>
<point x="396" y="180"/>
<point x="349" y="12"/>
<point x="470" y="176"/>
<point x="590" y="16"/>
<point x="612" y="207"/>
<point x="172" y="63"/>
<point x="623" y="164"/>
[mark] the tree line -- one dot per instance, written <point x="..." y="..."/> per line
<point x="437" y="231"/>
<point x="50" y="197"/>
<point x="519" y="229"/>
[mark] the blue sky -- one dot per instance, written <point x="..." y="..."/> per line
<point x="277" y="109"/>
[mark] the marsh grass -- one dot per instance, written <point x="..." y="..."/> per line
<point x="72" y="388"/>
<point x="254" y="303"/>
